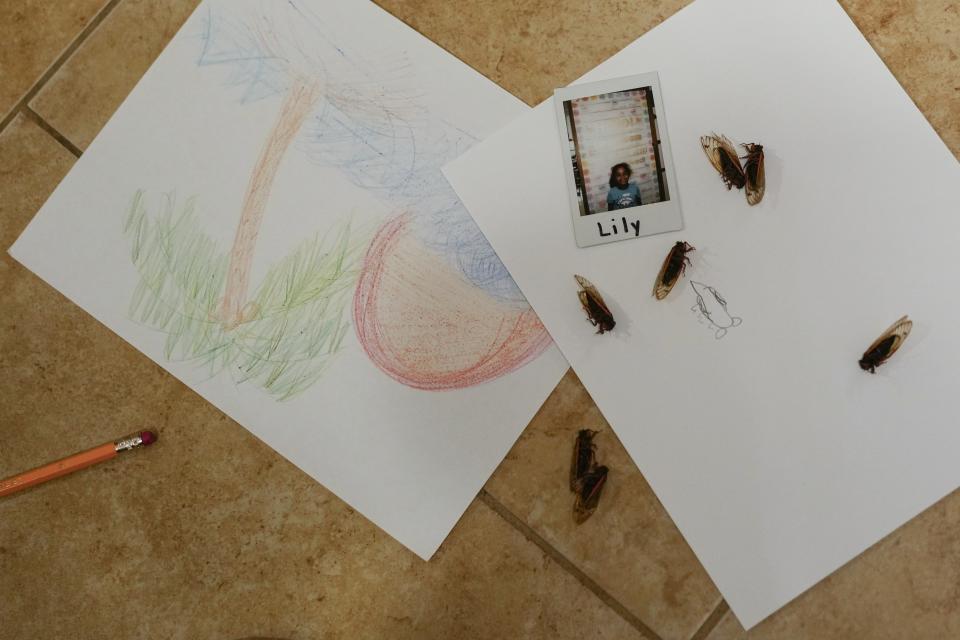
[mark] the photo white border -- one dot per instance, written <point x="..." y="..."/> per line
<point x="643" y="220"/>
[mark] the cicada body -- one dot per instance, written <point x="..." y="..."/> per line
<point x="723" y="156"/>
<point x="756" y="181"/>
<point x="583" y="458"/>
<point x="673" y="267"/>
<point x="886" y="345"/>
<point x="588" y="497"/>
<point x="596" y="309"/>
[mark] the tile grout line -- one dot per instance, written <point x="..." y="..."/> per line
<point x="567" y="565"/>
<point x="712" y="621"/>
<point x="22" y="103"/>
<point x="35" y="118"/>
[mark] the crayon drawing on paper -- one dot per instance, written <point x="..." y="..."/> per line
<point x="266" y="219"/>
<point x="432" y="305"/>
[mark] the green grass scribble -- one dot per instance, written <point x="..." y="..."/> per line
<point x="296" y="318"/>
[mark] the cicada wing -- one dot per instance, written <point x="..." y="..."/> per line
<point x="583" y="282"/>
<point x="590" y="292"/>
<point x="727" y="145"/>
<point x="899" y="330"/>
<point x="662" y="289"/>
<point x="755" y="174"/>
<point x="665" y="279"/>
<point x="593" y="293"/>
<point x="585" y="303"/>
<point x="717" y="147"/>
<point x="583" y="458"/>
<point x="711" y="145"/>
<point x="588" y="496"/>
<point x="755" y="190"/>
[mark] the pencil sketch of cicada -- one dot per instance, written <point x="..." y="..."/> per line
<point x="711" y="307"/>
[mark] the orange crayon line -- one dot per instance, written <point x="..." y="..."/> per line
<point x="297" y="104"/>
<point x="75" y="462"/>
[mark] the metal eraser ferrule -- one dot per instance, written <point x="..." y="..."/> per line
<point x="126" y="443"/>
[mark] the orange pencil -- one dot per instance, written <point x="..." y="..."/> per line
<point x="75" y="462"/>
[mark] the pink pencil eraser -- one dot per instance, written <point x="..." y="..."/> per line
<point x="148" y="437"/>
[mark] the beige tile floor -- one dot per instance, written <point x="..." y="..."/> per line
<point x="215" y="536"/>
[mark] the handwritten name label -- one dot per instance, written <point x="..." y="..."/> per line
<point x="616" y="225"/>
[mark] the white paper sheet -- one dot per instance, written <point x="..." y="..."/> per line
<point x="392" y="359"/>
<point x="776" y="456"/>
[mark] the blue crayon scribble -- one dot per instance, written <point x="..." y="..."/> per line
<point x="369" y="124"/>
<point x="233" y="42"/>
<point x="397" y="157"/>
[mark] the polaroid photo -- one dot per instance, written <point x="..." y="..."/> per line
<point x="617" y="160"/>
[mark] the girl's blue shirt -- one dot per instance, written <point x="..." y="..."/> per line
<point x="618" y="198"/>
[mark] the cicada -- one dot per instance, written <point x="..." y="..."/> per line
<point x="588" y="496"/>
<point x="583" y="458"/>
<point x="886" y="345"/>
<point x="756" y="181"/>
<point x="673" y="267"/>
<point x="594" y="306"/>
<point x="723" y="156"/>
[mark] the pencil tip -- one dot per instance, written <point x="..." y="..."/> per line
<point x="148" y="437"/>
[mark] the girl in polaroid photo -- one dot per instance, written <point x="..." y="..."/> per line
<point x="617" y="160"/>
<point x="623" y="193"/>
